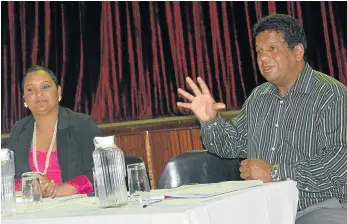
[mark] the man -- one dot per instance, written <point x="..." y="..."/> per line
<point x="293" y="126"/>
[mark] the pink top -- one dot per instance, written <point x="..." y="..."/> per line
<point x="53" y="171"/>
<point x="81" y="183"/>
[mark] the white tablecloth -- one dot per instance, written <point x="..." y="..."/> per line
<point x="274" y="203"/>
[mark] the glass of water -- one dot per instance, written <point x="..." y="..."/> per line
<point x="31" y="197"/>
<point x="137" y="181"/>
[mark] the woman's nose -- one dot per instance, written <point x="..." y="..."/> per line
<point x="39" y="92"/>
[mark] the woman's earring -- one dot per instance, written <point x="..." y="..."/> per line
<point x="59" y="99"/>
<point x="25" y="105"/>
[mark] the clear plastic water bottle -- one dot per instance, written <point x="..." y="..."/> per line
<point x="110" y="172"/>
<point x="8" y="195"/>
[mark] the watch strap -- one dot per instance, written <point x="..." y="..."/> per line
<point x="275" y="173"/>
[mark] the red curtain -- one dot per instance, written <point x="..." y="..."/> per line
<point x="122" y="61"/>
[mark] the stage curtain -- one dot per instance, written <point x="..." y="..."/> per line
<point x="120" y="61"/>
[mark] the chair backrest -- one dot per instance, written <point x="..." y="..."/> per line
<point x="132" y="160"/>
<point x="199" y="167"/>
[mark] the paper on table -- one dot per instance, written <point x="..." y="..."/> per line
<point x="210" y="190"/>
<point x="188" y="195"/>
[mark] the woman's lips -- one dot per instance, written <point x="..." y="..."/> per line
<point x="41" y="101"/>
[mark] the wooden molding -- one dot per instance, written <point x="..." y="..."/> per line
<point x="166" y="123"/>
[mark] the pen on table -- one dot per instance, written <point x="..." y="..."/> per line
<point x="154" y="202"/>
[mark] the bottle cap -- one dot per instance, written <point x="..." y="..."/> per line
<point x="103" y="142"/>
<point x="5" y="155"/>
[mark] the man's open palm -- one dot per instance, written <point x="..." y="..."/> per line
<point x="202" y="104"/>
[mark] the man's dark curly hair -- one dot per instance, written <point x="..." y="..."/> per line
<point x="288" y="26"/>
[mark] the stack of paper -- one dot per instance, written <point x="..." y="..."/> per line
<point x="210" y="190"/>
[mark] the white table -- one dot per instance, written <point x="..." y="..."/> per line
<point x="274" y="203"/>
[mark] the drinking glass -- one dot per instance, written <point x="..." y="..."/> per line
<point x="137" y="181"/>
<point x="31" y="191"/>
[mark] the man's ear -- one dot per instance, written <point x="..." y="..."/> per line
<point x="299" y="52"/>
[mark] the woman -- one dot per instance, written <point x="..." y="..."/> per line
<point x="54" y="141"/>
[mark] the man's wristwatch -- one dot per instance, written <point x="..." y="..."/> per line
<point x="275" y="173"/>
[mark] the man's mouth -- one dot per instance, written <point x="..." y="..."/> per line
<point x="267" y="68"/>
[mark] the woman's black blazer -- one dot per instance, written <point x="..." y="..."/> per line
<point x="75" y="134"/>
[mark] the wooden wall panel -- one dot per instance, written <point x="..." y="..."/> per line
<point x="196" y="139"/>
<point x="170" y="143"/>
<point x="133" y="145"/>
<point x="137" y="145"/>
<point x="184" y="140"/>
<point x="160" y="147"/>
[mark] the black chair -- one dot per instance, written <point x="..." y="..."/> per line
<point x="132" y="160"/>
<point x="198" y="167"/>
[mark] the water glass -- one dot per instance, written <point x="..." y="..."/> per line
<point x="31" y="191"/>
<point x="137" y="181"/>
